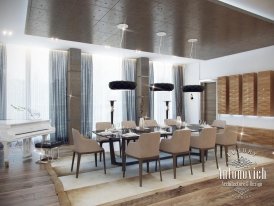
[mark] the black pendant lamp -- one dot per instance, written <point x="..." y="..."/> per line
<point x="193" y="88"/>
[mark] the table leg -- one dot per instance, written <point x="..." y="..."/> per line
<point x="6" y="154"/>
<point x="112" y="153"/>
<point x="123" y="156"/>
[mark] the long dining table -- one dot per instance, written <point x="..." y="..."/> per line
<point x="127" y="135"/>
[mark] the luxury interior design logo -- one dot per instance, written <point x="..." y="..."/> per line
<point x="242" y="176"/>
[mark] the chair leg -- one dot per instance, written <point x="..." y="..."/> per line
<point x="215" y="151"/>
<point x="237" y="152"/>
<point x="147" y="166"/>
<point x="174" y="165"/>
<point x="95" y="157"/>
<point x="206" y="152"/>
<point x="140" y="172"/>
<point x="183" y="160"/>
<point x="155" y="165"/>
<point x="104" y="159"/>
<point x="101" y="145"/>
<point x="78" y="164"/>
<point x="72" y="163"/>
<point x="226" y="155"/>
<point x="190" y="163"/>
<point x="221" y="151"/>
<point x="124" y="157"/>
<point x="160" y="169"/>
<point x="203" y="159"/>
<point x="120" y="148"/>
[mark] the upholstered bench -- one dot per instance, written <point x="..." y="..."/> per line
<point x="49" y="147"/>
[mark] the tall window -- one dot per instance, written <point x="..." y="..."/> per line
<point x="27" y="83"/>
<point x="162" y="74"/>
<point x="105" y="70"/>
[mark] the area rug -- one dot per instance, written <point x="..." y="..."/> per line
<point x="93" y="187"/>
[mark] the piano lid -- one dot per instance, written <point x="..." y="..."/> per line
<point x="13" y="122"/>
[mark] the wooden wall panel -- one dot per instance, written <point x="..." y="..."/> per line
<point x="256" y="136"/>
<point x="265" y="96"/>
<point x="235" y="94"/>
<point x="249" y="94"/>
<point x="222" y="85"/>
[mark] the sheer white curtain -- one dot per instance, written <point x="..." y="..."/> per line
<point x="106" y="69"/>
<point x="162" y="74"/>
<point x="27" y="83"/>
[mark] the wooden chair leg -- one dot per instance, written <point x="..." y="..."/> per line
<point x="174" y="166"/>
<point x="120" y="148"/>
<point x="206" y="153"/>
<point x="104" y="159"/>
<point x="215" y="151"/>
<point x="140" y="172"/>
<point x="190" y="163"/>
<point x="221" y="151"/>
<point x="237" y="152"/>
<point x="203" y="159"/>
<point x="101" y="145"/>
<point x="226" y="155"/>
<point x="147" y="166"/>
<point x="155" y="165"/>
<point x="78" y="164"/>
<point x="124" y="157"/>
<point x="72" y="163"/>
<point x="160" y="169"/>
<point x="95" y="157"/>
<point x="183" y="160"/>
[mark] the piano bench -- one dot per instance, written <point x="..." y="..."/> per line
<point x="49" y="147"/>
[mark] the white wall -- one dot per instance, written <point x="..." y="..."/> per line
<point x="251" y="61"/>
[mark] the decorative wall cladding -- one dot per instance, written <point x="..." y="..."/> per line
<point x="235" y="94"/>
<point x="265" y="95"/>
<point x="249" y="94"/>
<point x="222" y="85"/>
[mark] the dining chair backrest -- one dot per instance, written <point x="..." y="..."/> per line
<point x="149" y="144"/>
<point x="103" y="125"/>
<point x="219" y="123"/>
<point x="151" y="123"/>
<point x="128" y="124"/>
<point x="170" y="122"/>
<point x="208" y="137"/>
<point x="180" y="140"/>
<point x="230" y="135"/>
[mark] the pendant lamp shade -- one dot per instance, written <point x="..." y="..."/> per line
<point x="161" y="87"/>
<point x="122" y="85"/>
<point x="193" y="88"/>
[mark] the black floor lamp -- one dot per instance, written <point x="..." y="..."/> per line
<point x="162" y="87"/>
<point x="119" y="85"/>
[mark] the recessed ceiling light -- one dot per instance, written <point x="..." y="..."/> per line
<point x="122" y="26"/>
<point x="54" y="39"/>
<point x="273" y="153"/>
<point x="137" y="51"/>
<point x="7" y="33"/>
<point x="161" y="34"/>
<point x="192" y="40"/>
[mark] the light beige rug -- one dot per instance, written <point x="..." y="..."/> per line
<point x="93" y="187"/>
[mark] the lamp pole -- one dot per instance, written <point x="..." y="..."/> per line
<point x="167" y="108"/>
<point x="112" y="110"/>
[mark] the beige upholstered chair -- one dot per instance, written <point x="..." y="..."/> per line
<point x="204" y="141"/>
<point x="83" y="145"/>
<point x="129" y="125"/>
<point x="177" y="145"/>
<point x="151" y="123"/>
<point x="103" y="126"/>
<point x="144" y="150"/>
<point x="170" y="122"/>
<point x="228" y="138"/>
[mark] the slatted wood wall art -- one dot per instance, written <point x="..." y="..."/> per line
<point x="222" y="85"/>
<point x="249" y="94"/>
<point x="265" y="93"/>
<point x="235" y="94"/>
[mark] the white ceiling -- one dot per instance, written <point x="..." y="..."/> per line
<point x="263" y="8"/>
<point x="13" y="17"/>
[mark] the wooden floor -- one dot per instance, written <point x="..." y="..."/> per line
<point x="25" y="182"/>
<point x="28" y="183"/>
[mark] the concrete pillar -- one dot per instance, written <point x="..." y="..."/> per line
<point x="142" y="89"/>
<point x="74" y="91"/>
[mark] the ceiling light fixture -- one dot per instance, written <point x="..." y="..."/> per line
<point x="137" y="51"/>
<point x="54" y="39"/>
<point x="7" y="33"/>
<point x="122" y="27"/>
<point x="161" y="35"/>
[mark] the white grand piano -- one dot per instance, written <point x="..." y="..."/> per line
<point x="13" y="130"/>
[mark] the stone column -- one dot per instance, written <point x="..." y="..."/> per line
<point x="74" y="91"/>
<point x="142" y="89"/>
